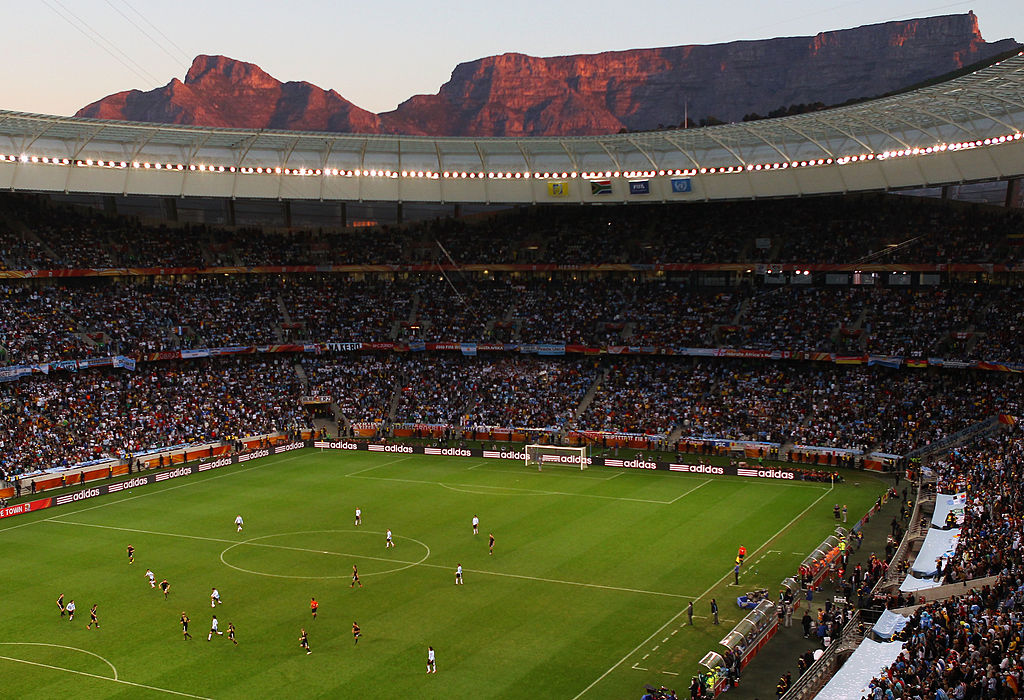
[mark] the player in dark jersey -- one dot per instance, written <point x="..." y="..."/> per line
<point x="304" y="642"/>
<point x="356" y="633"/>
<point x="184" y="625"/>
<point x="231" y="634"/>
<point x="490" y="544"/>
<point x="165" y="587"/>
<point x="60" y="604"/>
<point x="313" y="605"/>
<point x="131" y="554"/>
<point x="355" y="578"/>
<point x="92" y="618"/>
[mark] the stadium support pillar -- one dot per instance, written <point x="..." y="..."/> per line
<point x="171" y="209"/>
<point x="229" y="212"/>
<point x="457" y="211"/>
<point x="1014" y="193"/>
<point x="109" y="206"/>
<point x="343" y="215"/>
<point x="286" y="212"/>
<point x="399" y="214"/>
<point x="947" y="193"/>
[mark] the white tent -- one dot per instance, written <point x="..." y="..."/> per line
<point x="851" y="681"/>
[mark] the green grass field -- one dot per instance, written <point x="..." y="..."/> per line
<point x="583" y="597"/>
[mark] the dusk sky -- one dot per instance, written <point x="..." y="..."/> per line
<point x="60" y="55"/>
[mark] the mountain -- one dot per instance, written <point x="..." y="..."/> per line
<point x="518" y="95"/>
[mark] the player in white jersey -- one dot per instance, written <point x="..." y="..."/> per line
<point x="458" y="575"/>
<point x="476" y="525"/>
<point x="388" y="540"/>
<point x="213" y="629"/>
<point x="359" y="516"/>
<point x="151" y="577"/>
<point x="431" y="664"/>
<point x="71" y="610"/>
<point x="239" y="523"/>
<point x="214" y="598"/>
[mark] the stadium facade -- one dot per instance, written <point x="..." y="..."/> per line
<point x="965" y="130"/>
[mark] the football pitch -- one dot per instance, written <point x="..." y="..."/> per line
<point x="584" y="595"/>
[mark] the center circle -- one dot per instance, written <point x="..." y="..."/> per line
<point x="327" y="543"/>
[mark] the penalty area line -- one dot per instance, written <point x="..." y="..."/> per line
<point x="105" y="678"/>
<point x="710" y="588"/>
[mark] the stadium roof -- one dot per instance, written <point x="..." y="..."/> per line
<point x="966" y="129"/>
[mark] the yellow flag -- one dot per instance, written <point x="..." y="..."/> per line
<point x="558" y="189"/>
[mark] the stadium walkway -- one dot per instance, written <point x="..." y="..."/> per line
<point x="780" y="655"/>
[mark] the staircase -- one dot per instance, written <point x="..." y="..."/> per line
<point x="588" y="398"/>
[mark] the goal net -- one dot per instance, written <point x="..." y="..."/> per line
<point x="539" y="455"/>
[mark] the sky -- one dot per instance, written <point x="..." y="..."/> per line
<point x="60" y="55"/>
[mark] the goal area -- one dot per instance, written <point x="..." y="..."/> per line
<point x="539" y="455"/>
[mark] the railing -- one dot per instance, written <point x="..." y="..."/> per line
<point x="818" y="673"/>
<point x="945" y="443"/>
<point x="892" y="576"/>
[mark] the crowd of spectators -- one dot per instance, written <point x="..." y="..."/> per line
<point x="362" y="387"/>
<point x="869" y="228"/>
<point x="100" y="317"/>
<point x="990" y="472"/>
<point x="966" y="646"/>
<point x="508" y="391"/>
<point x="56" y="421"/>
<point x="66" y="417"/>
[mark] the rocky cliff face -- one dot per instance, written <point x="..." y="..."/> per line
<point x="519" y="95"/>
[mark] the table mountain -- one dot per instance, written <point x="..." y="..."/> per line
<point x="518" y="95"/>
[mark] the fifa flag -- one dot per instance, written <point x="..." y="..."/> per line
<point x="682" y="184"/>
<point x="639" y="186"/>
<point x="558" y="189"/>
<point x="600" y="187"/>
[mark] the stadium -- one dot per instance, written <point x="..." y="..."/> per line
<point x="632" y="357"/>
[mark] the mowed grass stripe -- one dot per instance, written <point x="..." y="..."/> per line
<point x="511" y="636"/>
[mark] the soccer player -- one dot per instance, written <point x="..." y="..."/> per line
<point x="214" y="629"/>
<point x="152" y="578"/>
<point x="165" y="587"/>
<point x="741" y="553"/>
<point x="71" y="610"/>
<point x="60" y="604"/>
<point x="355" y="578"/>
<point x="388" y="540"/>
<point x="231" y="634"/>
<point x="92" y="618"/>
<point x="356" y="633"/>
<point x="184" y="625"/>
<point x="431" y="665"/>
<point x="458" y="575"/>
<point x="131" y="554"/>
<point x="214" y="598"/>
<point x="304" y="642"/>
<point x="476" y="525"/>
<point x="359" y="516"/>
<point x="313" y="605"/>
<point x="239" y="523"/>
<point x="490" y="544"/>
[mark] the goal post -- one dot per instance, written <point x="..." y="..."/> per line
<point x="539" y="455"/>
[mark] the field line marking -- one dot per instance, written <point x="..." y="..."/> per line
<point x="378" y="466"/>
<point x="536" y="492"/>
<point x="384" y="559"/>
<point x="249" y="543"/>
<point x="566" y="583"/>
<point x="687" y="493"/>
<point x="105" y="678"/>
<point x="709" y="589"/>
<point x="148" y="491"/>
<point x="62" y="646"/>
<point x="548" y="471"/>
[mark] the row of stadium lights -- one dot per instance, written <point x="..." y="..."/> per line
<point x="464" y="175"/>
